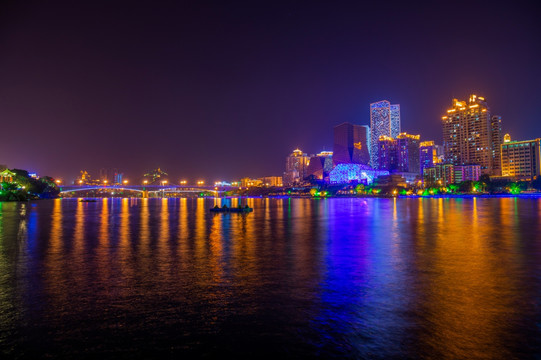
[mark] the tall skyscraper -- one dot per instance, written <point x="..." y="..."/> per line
<point x="469" y="134"/>
<point x="384" y="121"/>
<point x="387" y="154"/>
<point x="496" y="144"/>
<point x="296" y="165"/>
<point x="395" y="120"/>
<point x="351" y="144"/>
<point x="428" y="155"/>
<point x="407" y="149"/>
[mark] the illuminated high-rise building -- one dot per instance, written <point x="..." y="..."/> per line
<point x="351" y="144"/>
<point x="496" y="142"/>
<point x="395" y="120"/>
<point x="469" y="134"/>
<point x="428" y="156"/>
<point x="407" y="149"/>
<point x="521" y="159"/>
<point x="387" y="153"/>
<point x="384" y="121"/>
<point x="296" y="164"/>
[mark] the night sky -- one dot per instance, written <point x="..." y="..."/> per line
<point x="221" y="90"/>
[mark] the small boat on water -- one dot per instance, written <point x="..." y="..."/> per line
<point x="88" y="200"/>
<point x="225" y="209"/>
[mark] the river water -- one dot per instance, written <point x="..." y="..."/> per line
<point x="342" y="278"/>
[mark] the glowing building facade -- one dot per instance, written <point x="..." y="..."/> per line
<point x="407" y="148"/>
<point x="296" y="164"/>
<point x="387" y="153"/>
<point x="271" y="181"/>
<point x="496" y="144"/>
<point x="351" y="144"/>
<point x="521" y="159"/>
<point x="467" y="173"/>
<point x="441" y="174"/>
<point x="354" y="173"/>
<point x="320" y="165"/>
<point x="384" y="121"/>
<point x="470" y="133"/>
<point x="6" y="176"/>
<point x="427" y="155"/>
<point x="444" y="174"/>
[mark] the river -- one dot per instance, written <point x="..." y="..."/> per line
<point x="331" y="278"/>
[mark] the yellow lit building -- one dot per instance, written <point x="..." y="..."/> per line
<point x="521" y="159"/>
<point x="271" y="181"/>
<point x="296" y="166"/>
<point x="471" y="135"/>
<point x="7" y="176"/>
<point x="247" y="182"/>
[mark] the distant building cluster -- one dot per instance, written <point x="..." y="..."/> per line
<point x="473" y="146"/>
<point x="109" y="176"/>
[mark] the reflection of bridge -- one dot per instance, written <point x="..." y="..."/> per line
<point x="147" y="189"/>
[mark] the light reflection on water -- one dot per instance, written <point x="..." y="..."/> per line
<point x="359" y="278"/>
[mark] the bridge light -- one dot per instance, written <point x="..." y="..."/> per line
<point x="58" y="181"/>
<point x="125" y="182"/>
<point x="145" y="182"/>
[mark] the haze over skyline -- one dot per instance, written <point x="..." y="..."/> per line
<point x="220" y="91"/>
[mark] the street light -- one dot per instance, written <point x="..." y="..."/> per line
<point x="105" y="182"/>
<point x="58" y="181"/>
<point x="125" y="182"/>
<point x="145" y="182"/>
<point x="183" y="182"/>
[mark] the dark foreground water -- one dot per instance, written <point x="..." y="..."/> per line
<point x="344" y="278"/>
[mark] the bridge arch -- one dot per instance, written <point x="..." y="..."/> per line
<point x="99" y="188"/>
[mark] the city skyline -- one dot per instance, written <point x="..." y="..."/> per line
<point x="229" y="92"/>
<point x="349" y="139"/>
<point x="270" y="179"/>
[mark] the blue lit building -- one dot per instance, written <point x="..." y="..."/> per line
<point x="348" y="173"/>
<point x="384" y="121"/>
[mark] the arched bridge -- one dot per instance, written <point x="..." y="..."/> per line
<point x="146" y="189"/>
